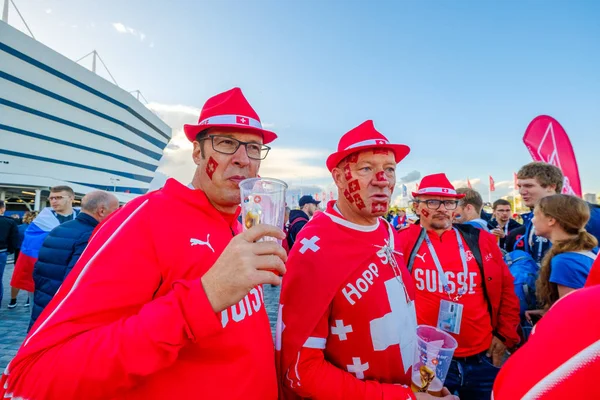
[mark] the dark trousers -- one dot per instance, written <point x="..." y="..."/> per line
<point x="472" y="378"/>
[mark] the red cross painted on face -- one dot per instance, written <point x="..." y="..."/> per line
<point x="352" y="158"/>
<point x="354" y="186"/>
<point x="347" y="172"/>
<point x="380" y="176"/>
<point x="348" y="196"/>
<point x="377" y="208"/>
<point x="425" y="213"/>
<point x="359" y="201"/>
<point x="211" y="167"/>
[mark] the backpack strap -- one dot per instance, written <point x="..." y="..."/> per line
<point x="471" y="236"/>
<point x="415" y="250"/>
<point x="289" y="230"/>
<point x="519" y="241"/>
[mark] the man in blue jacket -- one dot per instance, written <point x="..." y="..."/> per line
<point x="64" y="245"/>
<point x="9" y="238"/>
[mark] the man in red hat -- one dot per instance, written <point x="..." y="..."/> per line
<point x="462" y="286"/>
<point x="346" y="327"/>
<point x="160" y="311"/>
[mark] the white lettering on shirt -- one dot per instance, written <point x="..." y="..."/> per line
<point x="250" y="304"/>
<point x="354" y="291"/>
<point x="428" y="280"/>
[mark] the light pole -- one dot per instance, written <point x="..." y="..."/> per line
<point x="114" y="181"/>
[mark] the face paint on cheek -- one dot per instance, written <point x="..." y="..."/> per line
<point x="354" y="186"/>
<point x="348" y="196"/>
<point x="359" y="201"/>
<point x="347" y="172"/>
<point x="211" y="167"/>
<point x="425" y="213"/>
<point x="378" y="208"/>
<point x="380" y="176"/>
<point x="352" y="158"/>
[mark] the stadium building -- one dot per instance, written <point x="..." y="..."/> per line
<point x="62" y="124"/>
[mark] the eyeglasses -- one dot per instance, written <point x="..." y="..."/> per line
<point x="56" y="198"/>
<point x="227" y="145"/>
<point x="433" y="204"/>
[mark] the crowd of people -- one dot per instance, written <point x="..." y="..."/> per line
<point x="154" y="310"/>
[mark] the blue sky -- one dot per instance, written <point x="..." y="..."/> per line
<point x="458" y="81"/>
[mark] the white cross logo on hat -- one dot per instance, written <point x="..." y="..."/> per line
<point x="243" y="120"/>
<point x="444" y="190"/>
<point x="380" y="141"/>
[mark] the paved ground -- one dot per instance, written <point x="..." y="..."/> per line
<point x="14" y="323"/>
<point x="272" y="304"/>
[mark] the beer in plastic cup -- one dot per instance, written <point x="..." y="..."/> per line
<point x="263" y="202"/>
<point x="434" y="351"/>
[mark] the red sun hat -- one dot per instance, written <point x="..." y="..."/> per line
<point x="229" y="109"/>
<point x="437" y="185"/>
<point x="364" y="137"/>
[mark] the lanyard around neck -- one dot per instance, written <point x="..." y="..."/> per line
<point x="438" y="265"/>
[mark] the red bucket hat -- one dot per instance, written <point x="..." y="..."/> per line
<point x="364" y="137"/>
<point x="437" y="185"/>
<point x="229" y="109"/>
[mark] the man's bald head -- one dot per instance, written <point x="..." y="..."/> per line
<point x="99" y="204"/>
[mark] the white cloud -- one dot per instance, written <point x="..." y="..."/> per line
<point x="151" y="45"/>
<point x="49" y="11"/>
<point x="268" y="125"/>
<point x="121" y="28"/>
<point x="504" y="184"/>
<point x="461" y="183"/>
<point x="290" y="164"/>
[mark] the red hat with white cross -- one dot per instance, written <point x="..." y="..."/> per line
<point x="364" y="137"/>
<point x="230" y="110"/>
<point x="437" y="185"/>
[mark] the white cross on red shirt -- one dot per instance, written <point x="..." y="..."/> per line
<point x="309" y="244"/>
<point x="341" y="330"/>
<point x="358" y="368"/>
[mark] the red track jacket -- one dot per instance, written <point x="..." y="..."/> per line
<point x="132" y="319"/>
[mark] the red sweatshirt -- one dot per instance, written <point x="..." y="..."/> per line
<point x="496" y="279"/>
<point x="561" y="359"/>
<point x="347" y="319"/>
<point x="132" y="319"/>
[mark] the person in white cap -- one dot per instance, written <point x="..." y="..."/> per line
<point x="347" y="323"/>
<point x="156" y="310"/>
<point x="462" y="286"/>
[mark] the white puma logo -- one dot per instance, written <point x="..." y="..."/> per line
<point x="195" y="242"/>
<point x="421" y="257"/>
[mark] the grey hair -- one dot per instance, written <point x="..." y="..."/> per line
<point x="95" y="199"/>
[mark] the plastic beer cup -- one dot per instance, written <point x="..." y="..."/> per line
<point x="434" y="351"/>
<point x="263" y="202"/>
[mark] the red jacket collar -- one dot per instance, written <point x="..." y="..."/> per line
<point x="197" y="198"/>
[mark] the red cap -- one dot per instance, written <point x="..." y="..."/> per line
<point x="229" y="109"/>
<point x="437" y="185"/>
<point x="364" y="137"/>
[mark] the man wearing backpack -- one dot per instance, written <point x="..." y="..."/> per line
<point x="299" y="218"/>
<point x="462" y="286"/>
